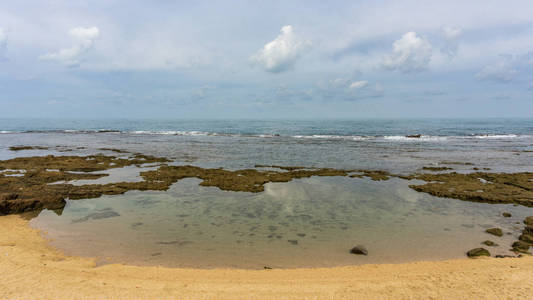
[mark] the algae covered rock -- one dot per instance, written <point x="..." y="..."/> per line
<point x="490" y="243"/>
<point x="526" y="237"/>
<point x="494" y="231"/>
<point x="477" y="252"/>
<point x="529" y="221"/>
<point x="507" y="215"/>
<point x="520" y="246"/>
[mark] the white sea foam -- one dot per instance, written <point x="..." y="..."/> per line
<point x="332" y="137"/>
<point x="172" y="132"/>
<point x="497" y="136"/>
<point x="425" y="138"/>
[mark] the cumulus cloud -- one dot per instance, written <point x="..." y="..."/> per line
<point x="451" y="36"/>
<point x="282" y="53"/>
<point x="358" y="84"/>
<point x="507" y="68"/>
<point x="3" y="43"/>
<point x="84" y="40"/>
<point x="410" y="53"/>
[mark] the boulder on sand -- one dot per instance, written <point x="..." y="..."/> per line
<point x="360" y="250"/>
<point x="477" y="252"/>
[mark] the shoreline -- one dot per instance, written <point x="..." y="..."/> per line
<point x="33" y="269"/>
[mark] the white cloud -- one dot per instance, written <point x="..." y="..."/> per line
<point x="282" y="53"/>
<point x="358" y="84"/>
<point x="3" y="43"/>
<point x="507" y="68"/>
<point x="71" y="57"/>
<point x="410" y="53"/>
<point x="451" y="35"/>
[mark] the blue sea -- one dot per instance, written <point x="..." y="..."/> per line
<point x="304" y="223"/>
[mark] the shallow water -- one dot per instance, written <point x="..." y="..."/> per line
<point x="304" y="223"/>
<point x="307" y="222"/>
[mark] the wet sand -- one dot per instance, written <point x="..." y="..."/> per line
<point x="32" y="269"/>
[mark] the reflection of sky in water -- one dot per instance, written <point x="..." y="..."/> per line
<point x="309" y="222"/>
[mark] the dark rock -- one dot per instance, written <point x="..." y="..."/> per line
<point x="359" y="250"/>
<point x="490" y="243"/>
<point x="478" y="252"/>
<point x="529" y="220"/>
<point x="526" y="237"/>
<point x="294" y="242"/>
<point x="494" y="231"/>
<point x="414" y="136"/>
<point x="301" y="234"/>
<point x="267" y="268"/>
<point x="520" y="245"/>
<point x="507" y="215"/>
<point x="528" y="229"/>
<point x="503" y="256"/>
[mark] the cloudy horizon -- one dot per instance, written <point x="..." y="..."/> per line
<point x="346" y="59"/>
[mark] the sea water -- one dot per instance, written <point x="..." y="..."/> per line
<point x="303" y="223"/>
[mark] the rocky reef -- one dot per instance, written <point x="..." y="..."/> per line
<point x="514" y="188"/>
<point x="35" y="183"/>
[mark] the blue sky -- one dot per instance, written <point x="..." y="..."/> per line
<point x="266" y="59"/>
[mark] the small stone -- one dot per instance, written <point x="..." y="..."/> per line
<point x="490" y="243"/>
<point x="267" y="268"/>
<point x="494" y="231"/>
<point x="294" y="242"/>
<point x="359" y="250"/>
<point x="507" y="215"/>
<point x="503" y="256"/>
<point x="478" y="252"/>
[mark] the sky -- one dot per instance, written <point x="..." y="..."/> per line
<point x="266" y="59"/>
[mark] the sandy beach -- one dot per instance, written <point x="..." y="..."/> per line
<point x="32" y="269"/>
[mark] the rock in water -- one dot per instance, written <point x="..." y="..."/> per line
<point x="529" y="220"/>
<point x="360" y="250"/>
<point x="478" y="252"/>
<point x="520" y="246"/>
<point x="490" y="243"/>
<point x="494" y="231"/>
<point x="526" y="237"/>
<point x="507" y="215"/>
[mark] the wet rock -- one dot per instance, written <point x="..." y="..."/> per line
<point x="526" y="237"/>
<point x="267" y="268"/>
<point x="528" y="229"/>
<point x="359" y="250"/>
<point x="436" y="168"/>
<point x="477" y="252"/>
<point x="494" y="231"/>
<point x="490" y="243"/>
<point x="293" y="242"/>
<point x="301" y="234"/>
<point x="507" y="215"/>
<point x="503" y="256"/>
<point x="20" y="148"/>
<point x="414" y="136"/>
<point x="529" y="221"/>
<point x="516" y="188"/>
<point x="520" y="245"/>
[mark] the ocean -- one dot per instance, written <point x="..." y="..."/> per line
<point x="309" y="222"/>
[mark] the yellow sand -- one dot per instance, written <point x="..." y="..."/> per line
<point x="29" y="268"/>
